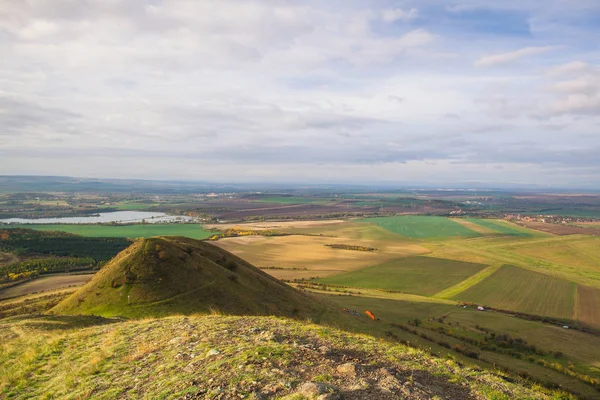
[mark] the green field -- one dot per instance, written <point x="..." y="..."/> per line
<point x="587" y="302"/>
<point x="519" y="289"/>
<point x="418" y="275"/>
<point x="502" y="227"/>
<point x="422" y="227"/>
<point x="194" y="231"/>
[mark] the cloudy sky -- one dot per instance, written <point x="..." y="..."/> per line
<point x="429" y="91"/>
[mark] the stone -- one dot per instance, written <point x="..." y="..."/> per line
<point x="213" y="352"/>
<point x="348" y="369"/>
<point x="321" y="391"/>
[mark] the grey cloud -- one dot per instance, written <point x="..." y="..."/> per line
<point x="16" y="116"/>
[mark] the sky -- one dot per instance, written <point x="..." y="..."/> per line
<point x="407" y="92"/>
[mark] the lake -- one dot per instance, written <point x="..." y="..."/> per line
<point x="121" y="217"/>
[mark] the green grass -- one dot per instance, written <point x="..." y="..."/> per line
<point x="422" y="227"/>
<point x="194" y="231"/>
<point x="503" y="227"/>
<point x="519" y="289"/>
<point x="417" y="275"/>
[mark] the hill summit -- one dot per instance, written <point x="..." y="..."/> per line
<point x="175" y="275"/>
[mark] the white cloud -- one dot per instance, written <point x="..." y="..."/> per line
<point x="280" y="86"/>
<point x="398" y="14"/>
<point x="506" y="58"/>
<point x="570" y="68"/>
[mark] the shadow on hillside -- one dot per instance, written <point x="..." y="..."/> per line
<point x="60" y="322"/>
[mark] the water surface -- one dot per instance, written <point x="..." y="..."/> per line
<point x="121" y="217"/>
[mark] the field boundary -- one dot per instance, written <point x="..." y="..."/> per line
<point x="473" y="280"/>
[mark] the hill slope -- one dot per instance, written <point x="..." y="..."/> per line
<point x="176" y="275"/>
<point x="215" y="357"/>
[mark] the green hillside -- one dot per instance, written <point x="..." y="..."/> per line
<point x="176" y="275"/>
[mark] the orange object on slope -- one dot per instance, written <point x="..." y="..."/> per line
<point x="370" y="315"/>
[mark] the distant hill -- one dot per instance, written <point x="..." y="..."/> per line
<point x="176" y="275"/>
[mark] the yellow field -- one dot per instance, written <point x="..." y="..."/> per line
<point x="310" y="256"/>
<point x="474" y="227"/>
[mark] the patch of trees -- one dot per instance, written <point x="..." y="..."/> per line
<point x="351" y="247"/>
<point x="47" y="252"/>
<point x="236" y="232"/>
<point x="50" y="264"/>
<point x="29" y="242"/>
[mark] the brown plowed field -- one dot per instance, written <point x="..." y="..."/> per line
<point x="558" y="229"/>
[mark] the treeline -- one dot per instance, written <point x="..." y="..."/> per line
<point x="46" y="252"/>
<point x="29" y="242"/>
<point x="236" y="232"/>
<point x="35" y="266"/>
<point x="351" y="247"/>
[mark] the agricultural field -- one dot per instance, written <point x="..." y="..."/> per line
<point x="422" y="227"/>
<point x="503" y="227"/>
<point x="194" y="231"/>
<point x="573" y="257"/>
<point x="45" y="284"/>
<point x="301" y="256"/>
<point x="291" y="200"/>
<point x="518" y="289"/>
<point x="587" y="305"/>
<point x="562" y="229"/>
<point x="418" y="275"/>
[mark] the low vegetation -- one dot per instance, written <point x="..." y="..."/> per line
<point x="228" y="357"/>
<point x="237" y="232"/>
<point x="351" y="247"/>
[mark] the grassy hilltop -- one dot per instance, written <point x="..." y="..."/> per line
<point x="218" y="357"/>
<point x="176" y="275"/>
